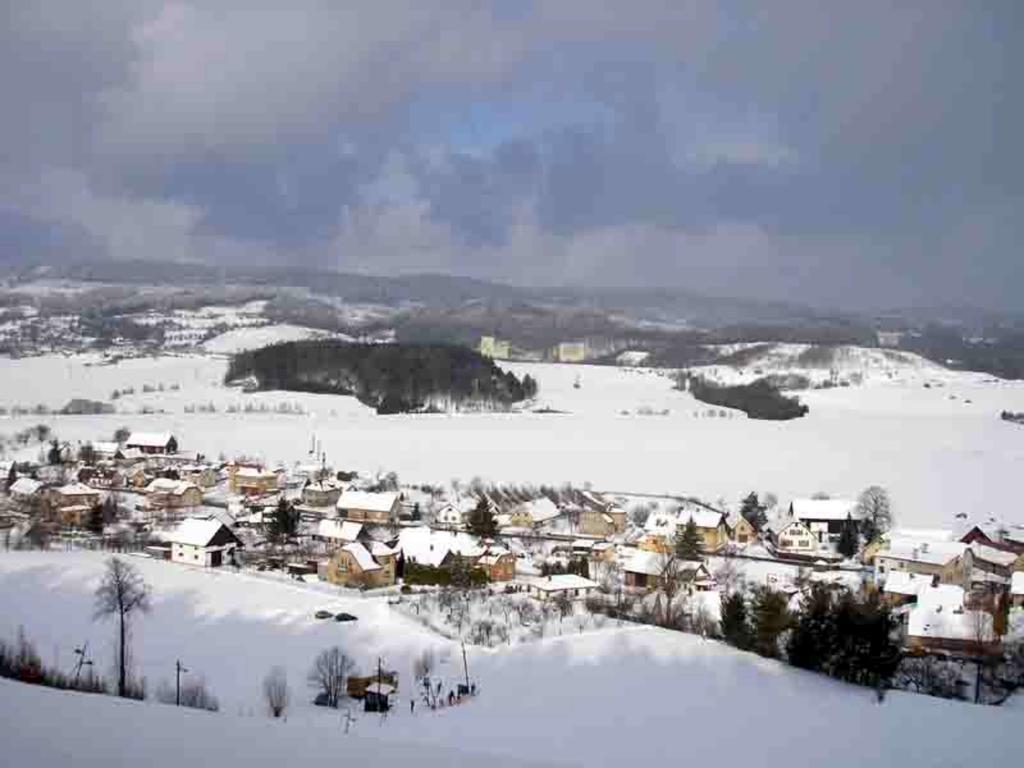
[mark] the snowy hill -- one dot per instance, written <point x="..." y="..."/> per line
<point x="617" y="697"/>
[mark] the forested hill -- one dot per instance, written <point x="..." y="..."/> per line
<point x="392" y="378"/>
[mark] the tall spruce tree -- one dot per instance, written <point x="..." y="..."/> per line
<point x="734" y="625"/>
<point x="753" y="511"/>
<point x="688" y="541"/>
<point x="769" y="619"/>
<point x="848" y="543"/>
<point x="284" y="521"/>
<point x="94" y="522"/>
<point x="813" y="638"/>
<point x="481" y="521"/>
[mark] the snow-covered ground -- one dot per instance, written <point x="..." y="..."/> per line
<point x="939" y="450"/>
<point x="241" y="339"/>
<point x="622" y="696"/>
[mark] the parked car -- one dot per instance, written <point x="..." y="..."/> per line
<point x="323" y="614"/>
<point x="344" y="617"/>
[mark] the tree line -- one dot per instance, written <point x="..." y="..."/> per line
<point x="392" y="378"/>
<point x="759" y="399"/>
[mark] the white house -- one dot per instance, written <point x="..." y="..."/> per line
<point x="940" y="621"/>
<point x="25" y="488"/>
<point x="550" y="587"/>
<point x="795" y="537"/>
<point x="825" y="517"/>
<point x="203" y="541"/>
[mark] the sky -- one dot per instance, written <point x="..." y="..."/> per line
<point x="850" y="155"/>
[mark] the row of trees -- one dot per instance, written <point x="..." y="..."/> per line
<point x="835" y="632"/>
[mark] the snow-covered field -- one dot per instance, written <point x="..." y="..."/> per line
<point x="622" y="696"/>
<point x="940" y="450"/>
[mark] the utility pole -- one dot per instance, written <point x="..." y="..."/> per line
<point x="465" y="666"/>
<point x="178" y="669"/>
<point x="83" y="660"/>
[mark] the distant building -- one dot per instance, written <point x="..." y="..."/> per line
<point x="889" y="338"/>
<point x="632" y="358"/>
<point x="550" y="587"/>
<point x="495" y="348"/>
<point x="362" y="565"/>
<point x="164" y="494"/>
<point x="825" y="518"/>
<point x="252" y="481"/>
<point x="570" y="352"/>
<point x="152" y="443"/>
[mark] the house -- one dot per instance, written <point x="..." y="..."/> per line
<point x="996" y="536"/>
<point x="24" y="488"/>
<point x="362" y="565"/>
<point x="107" y="451"/>
<point x="103" y="477"/>
<point x="338" y="532"/>
<point x="552" y="587"/>
<point x="152" y="443"/>
<point x="252" y="481"/>
<point x="1017" y="589"/>
<point x="603" y="523"/>
<point x="164" y="495"/>
<point x="534" y="513"/>
<point x="903" y="587"/>
<point x="825" y="518"/>
<point x="928" y="558"/>
<point x="570" y="352"/>
<point x="453" y="513"/>
<point x="366" y="507"/>
<point x="321" y="493"/>
<point x="794" y="538"/>
<point x="742" y="531"/>
<point x="661" y="528"/>
<point x="644" y="570"/>
<point x="205" y="542"/>
<point x="498" y="563"/>
<point x="941" y="622"/>
<point x="202" y="475"/>
<point x="73" y="503"/>
<point x="424" y="546"/>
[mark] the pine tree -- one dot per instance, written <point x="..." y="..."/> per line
<point x="814" y="633"/>
<point x="12" y="477"/>
<point x="847" y="545"/>
<point x="53" y="455"/>
<point x="735" y="628"/>
<point x="753" y="511"/>
<point x="769" y="619"/>
<point x="94" y="523"/>
<point x="284" y="521"/>
<point x="481" y="522"/>
<point x="688" y="541"/>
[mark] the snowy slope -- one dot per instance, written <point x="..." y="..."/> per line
<point x="622" y="696"/>
<point x="49" y="729"/>
<point x="240" y="339"/>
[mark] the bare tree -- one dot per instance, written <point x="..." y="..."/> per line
<point x="275" y="691"/>
<point x="122" y="592"/>
<point x="563" y="603"/>
<point x="329" y="674"/>
<point x="728" y="576"/>
<point x="876" y="509"/>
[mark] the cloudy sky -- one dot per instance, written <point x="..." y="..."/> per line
<point x="846" y="154"/>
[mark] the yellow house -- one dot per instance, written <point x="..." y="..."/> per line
<point x="494" y="348"/>
<point x="364" y="507"/>
<point x="252" y="481"/>
<point x="661" y="527"/>
<point x="571" y="352"/>
<point x="743" y="532"/>
<point x="602" y="522"/>
<point x="164" y="494"/>
<point x="355" y="565"/>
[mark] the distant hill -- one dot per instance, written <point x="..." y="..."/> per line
<point x="392" y="378"/>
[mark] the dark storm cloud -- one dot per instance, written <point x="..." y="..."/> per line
<point x="849" y="153"/>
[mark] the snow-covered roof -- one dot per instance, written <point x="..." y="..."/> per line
<point x="559" y="582"/>
<point x="362" y="556"/>
<point x="930" y="552"/>
<point x="380" y="549"/>
<point x="342" y="530"/>
<point x="940" y="614"/>
<point x="196" y="531"/>
<point x="106" y="448"/>
<point x="429" y="547"/>
<point x="702" y="518"/>
<point x="382" y="689"/>
<point x="541" y="510"/>
<point x="167" y="485"/>
<point x="76" y="489"/>
<point x="906" y="583"/>
<point x="920" y="534"/>
<point x="826" y="509"/>
<point x="993" y="555"/>
<point x="149" y="439"/>
<point x="1017" y="583"/>
<point x="254" y="472"/>
<point x="373" y="502"/>
<point x="642" y="561"/>
<point x="25" y="486"/>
